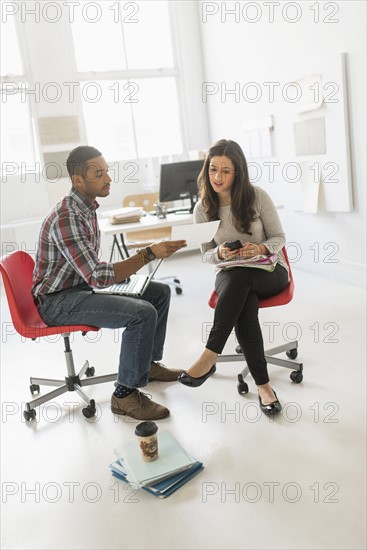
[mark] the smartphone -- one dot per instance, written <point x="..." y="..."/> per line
<point x="233" y="245"/>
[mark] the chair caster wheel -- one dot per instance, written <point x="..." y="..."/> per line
<point x="34" y="389"/>
<point x="178" y="290"/>
<point x="89" y="410"/>
<point x="296" y="376"/>
<point x="292" y="353"/>
<point x="242" y="386"/>
<point x="90" y="371"/>
<point x="29" y="415"/>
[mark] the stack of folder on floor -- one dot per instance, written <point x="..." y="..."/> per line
<point x="260" y="262"/>
<point x="173" y="468"/>
<point x="128" y="214"/>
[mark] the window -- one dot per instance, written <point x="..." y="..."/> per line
<point x="108" y="123"/>
<point x="156" y="117"/>
<point x="146" y="128"/>
<point x="128" y="80"/>
<point x="17" y="142"/>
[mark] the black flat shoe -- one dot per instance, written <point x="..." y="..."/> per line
<point x="193" y="382"/>
<point x="270" y="408"/>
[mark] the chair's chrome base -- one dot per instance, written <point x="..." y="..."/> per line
<point x="73" y="382"/>
<point x="291" y="350"/>
<point x="172" y="281"/>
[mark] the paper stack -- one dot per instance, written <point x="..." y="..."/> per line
<point x="260" y="262"/>
<point x="128" y="214"/>
<point x="173" y="468"/>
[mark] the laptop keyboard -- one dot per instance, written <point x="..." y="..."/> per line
<point x="128" y="286"/>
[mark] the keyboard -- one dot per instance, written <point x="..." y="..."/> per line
<point x="128" y="285"/>
<point x="178" y="210"/>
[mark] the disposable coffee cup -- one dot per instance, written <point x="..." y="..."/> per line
<point x="146" y="433"/>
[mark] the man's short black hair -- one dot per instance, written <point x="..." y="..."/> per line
<point x="78" y="158"/>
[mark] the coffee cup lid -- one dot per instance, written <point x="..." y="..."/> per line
<point x="144" y="429"/>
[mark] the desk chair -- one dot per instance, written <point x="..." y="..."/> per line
<point x="17" y="272"/>
<point x="290" y="348"/>
<point x="141" y="239"/>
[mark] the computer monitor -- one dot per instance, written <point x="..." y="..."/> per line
<point x="178" y="180"/>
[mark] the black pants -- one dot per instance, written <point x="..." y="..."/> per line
<point x="239" y="290"/>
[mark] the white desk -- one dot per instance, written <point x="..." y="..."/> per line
<point x="147" y="222"/>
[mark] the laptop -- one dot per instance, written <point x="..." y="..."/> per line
<point x="134" y="286"/>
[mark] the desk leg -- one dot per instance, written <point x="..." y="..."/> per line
<point x="116" y="243"/>
<point x="127" y="255"/>
<point x="121" y="247"/>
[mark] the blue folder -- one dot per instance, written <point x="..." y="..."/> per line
<point x="164" y="488"/>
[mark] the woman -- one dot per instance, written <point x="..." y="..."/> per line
<point x="247" y="214"/>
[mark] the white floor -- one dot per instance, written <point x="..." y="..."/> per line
<point x="295" y="483"/>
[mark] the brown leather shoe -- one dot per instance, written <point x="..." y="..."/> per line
<point x="160" y="373"/>
<point x="138" y="405"/>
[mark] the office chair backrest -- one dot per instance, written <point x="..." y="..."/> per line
<point x="284" y="297"/>
<point x="17" y="272"/>
<point x="143" y="200"/>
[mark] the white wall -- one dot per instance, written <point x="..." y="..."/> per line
<point x="265" y="51"/>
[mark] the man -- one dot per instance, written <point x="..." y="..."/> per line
<point x="68" y="268"/>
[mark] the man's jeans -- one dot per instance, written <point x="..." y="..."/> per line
<point x="144" y="319"/>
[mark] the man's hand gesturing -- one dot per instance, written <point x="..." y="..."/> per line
<point x="164" y="249"/>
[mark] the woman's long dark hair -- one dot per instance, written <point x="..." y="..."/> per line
<point x="242" y="192"/>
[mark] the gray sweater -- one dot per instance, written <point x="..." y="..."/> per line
<point x="266" y="228"/>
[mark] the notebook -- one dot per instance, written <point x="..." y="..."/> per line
<point x="135" y="285"/>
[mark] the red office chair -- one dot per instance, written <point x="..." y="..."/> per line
<point x="17" y="272"/>
<point x="290" y="348"/>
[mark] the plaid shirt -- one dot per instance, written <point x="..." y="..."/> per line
<point x="68" y="248"/>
